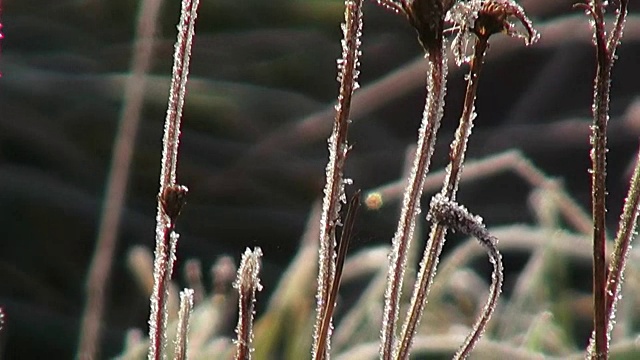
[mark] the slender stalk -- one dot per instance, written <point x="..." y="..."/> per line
<point x="247" y="283"/>
<point x="605" y="55"/>
<point x="411" y="202"/>
<point x="101" y="262"/>
<point x="338" y="149"/>
<point x="450" y="214"/>
<point x="345" y="239"/>
<point x="626" y="231"/>
<point x="184" y="315"/>
<point x="171" y="196"/>
<point x="438" y="232"/>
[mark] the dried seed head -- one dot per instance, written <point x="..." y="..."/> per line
<point x="173" y="199"/>
<point x="485" y="18"/>
<point x="427" y="17"/>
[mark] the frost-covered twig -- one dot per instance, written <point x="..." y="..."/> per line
<point x="171" y="196"/>
<point x="626" y="232"/>
<point x="451" y="215"/>
<point x="427" y="17"/>
<point x="184" y="315"/>
<point x="605" y="55"/>
<point x="101" y="262"/>
<point x="338" y="148"/>
<point x="247" y="283"/>
<point x="482" y="18"/>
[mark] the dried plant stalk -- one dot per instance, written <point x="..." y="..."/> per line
<point x="338" y="148"/>
<point x="482" y="19"/>
<point x="427" y="17"/>
<point x="605" y="55"/>
<point x="247" y="283"/>
<point x="341" y="256"/>
<point x="626" y="232"/>
<point x="450" y="214"/>
<point x="101" y="262"/>
<point x="184" y="315"/>
<point x="171" y="196"/>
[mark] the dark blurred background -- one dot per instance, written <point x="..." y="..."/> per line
<point x="262" y="68"/>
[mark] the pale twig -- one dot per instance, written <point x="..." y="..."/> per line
<point x="338" y="149"/>
<point x="247" y="283"/>
<point x="101" y="262"/>
<point x="171" y="195"/>
<point x="184" y="315"/>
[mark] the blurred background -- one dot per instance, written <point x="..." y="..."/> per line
<point x="253" y="147"/>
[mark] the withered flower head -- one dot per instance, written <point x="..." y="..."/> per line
<point x="426" y="16"/>
<point x="485" y="18"/>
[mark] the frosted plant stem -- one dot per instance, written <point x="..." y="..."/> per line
<point x="450" y="214"/>
<point x="170" y="196"/>
<point x="450" y="187"/>
<point x="247" y="283"/>
<point x="338" y="149"/>
<point x="184" y="315"/>
<point x="626" y="232"/>
<point x="436" y="80"/>
<point x="605" y="55"/>
<point x="101" y="263"/>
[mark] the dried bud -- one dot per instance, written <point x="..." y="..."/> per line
<point x="173" y="199"/>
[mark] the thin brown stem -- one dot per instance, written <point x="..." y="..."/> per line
<point x="436" y="240"/>
<point x="338" y="149"/>
<point x="626" y="231"/>
<point x="341" y="256"/>
<point x="436" y="80"/>
<point x="605" y="55"/>
<point x="170" y="196"/>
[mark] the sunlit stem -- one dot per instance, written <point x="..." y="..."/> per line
<point x="436" y="81"/>
<point x="450" y="186"/>
<point x="338" y="148"/>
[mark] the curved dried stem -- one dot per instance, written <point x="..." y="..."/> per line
<point x="338" y="149"/>
<point x="451" y="215"/>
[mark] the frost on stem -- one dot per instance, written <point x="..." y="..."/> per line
<point x="457" y="218"/>
<point x="171" y="195"/>
<point x="427" y="18"/>
<point x="184" y="315"/>
<point x="247" y="283"/>
<point x="334" y="193"/>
